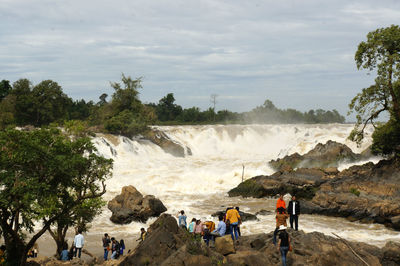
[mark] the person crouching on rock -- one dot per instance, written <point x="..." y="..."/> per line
<point x="294" y="211"/>
<point x="142" y="235"/>
<point x="284" y="243"/>
<point x="281" y="218"/>
<point x="115" y="248"/>
<point x="221" y="228"/>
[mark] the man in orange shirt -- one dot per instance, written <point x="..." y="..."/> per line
<point x="280" y="203"/>
<point x="234" y="217"/>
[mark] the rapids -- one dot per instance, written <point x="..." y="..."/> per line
<point x="198" y="183"/>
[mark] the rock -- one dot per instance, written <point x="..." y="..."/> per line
<point x="263" y="212"/>
<point x="395" y="222"/>
<point x="130" y="206"/>
<point x="248" y="258"/>
<point x="224" y="245"/>
<point x="325" y="155"/>
<point x="302" y="182"/>
<point x="168" y="145"/>
<point x="169" y="245"/>
<point x="391" y="253"/>
<point x="244" y="215"/>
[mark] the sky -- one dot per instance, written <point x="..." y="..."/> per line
<point x="297" y="53"/>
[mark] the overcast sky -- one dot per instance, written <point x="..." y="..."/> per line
<point x="299" y="54"/>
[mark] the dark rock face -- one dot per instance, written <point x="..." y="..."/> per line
<point x="168" y="245"/>
<point x="169" y="146"/>
<point x="368" y="193"/>
<point x="303" y="182"/>
<point x="322" y="156"/>
<point x="130" y="206"/>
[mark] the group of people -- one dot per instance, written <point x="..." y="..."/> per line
<point x="228" y="223"/>
<point x="282" y="213"/>
<point x="113" y="246"/>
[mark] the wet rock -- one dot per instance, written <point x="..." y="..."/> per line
<point x="263" y="212"/>
<point x="391" y="254"/>
<point x="224" y="245"/>
<point x="303" y="183"/>
<point x="168" y="145"/>
<point x="130" y="206"/>
<point x="244" y="215"/>
<point x="330" y="154"/>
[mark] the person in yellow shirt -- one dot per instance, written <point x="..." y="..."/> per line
<point x="233" y="216"/>
<point x="2" y="254"/>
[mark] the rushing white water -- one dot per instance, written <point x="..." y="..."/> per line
<point x="199" y="183"/>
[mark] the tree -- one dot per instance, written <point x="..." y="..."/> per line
<point x="380" y="53"/>
<point x="166" y="109"/>
<point x="5" y="88"/>
<point x="46" y="176"/>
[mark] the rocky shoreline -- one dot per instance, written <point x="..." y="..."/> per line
<point x="369" y="193"/>
<point x="168" y="245"/>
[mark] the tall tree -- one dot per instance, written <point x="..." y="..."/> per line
<point x="380" y="53"/>
<point x="5" y="88"/>
<point x="45" y="175"/>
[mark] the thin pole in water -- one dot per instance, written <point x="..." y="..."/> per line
<point x="242" y="172"/>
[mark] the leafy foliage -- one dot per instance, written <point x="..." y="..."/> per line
<point x="46" y="176"/>
<point x="380" y="53"/>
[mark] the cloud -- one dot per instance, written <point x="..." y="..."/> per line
<point x="297" y="53"/>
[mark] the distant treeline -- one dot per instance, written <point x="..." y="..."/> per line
<point x="23" y="103"/>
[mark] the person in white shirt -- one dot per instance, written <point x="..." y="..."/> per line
<point x="78" y="243"/>
<point x="294" y="211"/>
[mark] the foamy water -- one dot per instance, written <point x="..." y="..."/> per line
<point x="199" y="183"/>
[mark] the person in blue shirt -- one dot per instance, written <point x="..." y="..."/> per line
<point x="64" y="253"/>
<point x="182" y="219"/>
<point x="221" y="228"/>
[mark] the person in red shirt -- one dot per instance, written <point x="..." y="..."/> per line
<point x="280" y="203"/>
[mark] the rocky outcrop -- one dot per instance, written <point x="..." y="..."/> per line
<point x="330" y="154"/>
<point x="368" y="193"/>
<point x="303" y="182"/>
<point x="130" y="206"/>
<point x="168" y="245"/>
<point x="168" y="145"/>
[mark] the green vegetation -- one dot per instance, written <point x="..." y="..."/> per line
<point x="248" y="188"/>
<point x="39" y="105"/>
<point x="355" y="191"/>
<point x="47" y="177"/>
<point x="379" y="53"/>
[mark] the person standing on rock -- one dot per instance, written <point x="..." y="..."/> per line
<point x="192" y="225"/>
<point x="198" y="229"/>
<point x="294" y="212"/>
<point x="280" y="203"/>
<point x="78" y="243"/>
<point x="281" y="218"/>
<point x="284" y="243"/>
<point x="106" y="245"/>
<point x="115" y="249"/>
<point x="233" y="216"/>
<point x="182" y="219"/>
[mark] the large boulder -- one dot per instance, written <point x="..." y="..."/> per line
<point x="130" y="206"/>
<point x="224" y="245"/>
<point x="167" y="144"/>
<point x="303" y="182"/>
<point x="169" y="245"/>
<point x="243" y="215"/>
<point x="330" y="154"/>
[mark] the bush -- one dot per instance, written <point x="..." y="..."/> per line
<point x="386" y="139"/>
<point x="355" y="191"/>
